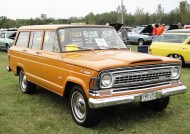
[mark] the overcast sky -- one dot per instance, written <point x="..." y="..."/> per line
<point x="24" y="9"/>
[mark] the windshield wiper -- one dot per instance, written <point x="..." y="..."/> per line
<point x="104" y="47"/>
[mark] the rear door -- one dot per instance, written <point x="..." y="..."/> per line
<point x="46" y="61"/>
<point x="185" y="50"/>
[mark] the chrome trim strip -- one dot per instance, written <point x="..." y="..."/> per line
<point x="136" y="88"/>
<point x="140" y="67"/>
<point x="143" y="69"/>
<point x="112" y="101"/>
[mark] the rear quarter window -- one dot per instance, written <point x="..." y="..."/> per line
<point x="22" y="40"/>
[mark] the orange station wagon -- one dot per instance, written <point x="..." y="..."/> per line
<point x="92" y="66"/>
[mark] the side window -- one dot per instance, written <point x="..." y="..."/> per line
<point x="2" y="35"/>
<point x="22" y="40"/>
<point x="35" y="40"/>
<point x="50" y="42"/>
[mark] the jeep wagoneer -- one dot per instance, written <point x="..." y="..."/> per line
<point x="92" y="66"/>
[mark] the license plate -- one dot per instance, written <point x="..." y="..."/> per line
<point x="148" y="96"/>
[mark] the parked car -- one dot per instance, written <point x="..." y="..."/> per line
<point x="187" y="26"/>
<point x="7" y="38"/>
<point x="91" y="66"/>
<point x="141" y="35"/>
<point x="174" y="44"/>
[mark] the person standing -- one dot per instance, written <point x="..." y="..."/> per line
<point x="154" y="32"/>
<point x="160" y="29"/>
<point x="123" y="34"/>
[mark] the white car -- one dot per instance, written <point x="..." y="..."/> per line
<point x="7" y="38"/>
<point x="141" y="35"/>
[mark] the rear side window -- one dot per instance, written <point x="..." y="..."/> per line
<point x="2" y="35"/>
<point x="50" y="42"/>
<point x="22" y="40"/>
<point x="35" y="40"/>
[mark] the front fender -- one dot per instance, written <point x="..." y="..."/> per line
<point x="78" y="81"/>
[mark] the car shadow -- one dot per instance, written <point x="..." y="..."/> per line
<point x="123" y="115"/>
<point x="3" y="50"/>
<point x="127" y="115"/>
<point x="187" y="65"/>
<point x="53" y="98"/>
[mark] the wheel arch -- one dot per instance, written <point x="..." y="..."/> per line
<point x="182" y="60"/>
<point x="18" y="69"/>
<point x="7" y="44"/>
<point x="71" y="82"/>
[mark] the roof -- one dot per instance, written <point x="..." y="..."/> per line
<point x="178" y="31"/>
<point x="56" y="26"/>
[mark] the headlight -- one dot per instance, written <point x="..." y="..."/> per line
<point x="106" y="80"/>
<point x="175" y="72"/>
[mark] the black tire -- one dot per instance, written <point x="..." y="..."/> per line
<point x="26" y="86"/>
<point x="156" y="105"/>
<point x="179" y="57"/>
<point x="7" y="47"/>
<point x="140" y="42"/>
<point x="82" y="114"/>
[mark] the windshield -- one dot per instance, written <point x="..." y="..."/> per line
<point x="75" y="39"/>
<point x="172" y="38"/>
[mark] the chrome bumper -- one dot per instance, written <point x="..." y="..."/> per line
<point x="111" y="101"/>
<point x="8" y="68"/>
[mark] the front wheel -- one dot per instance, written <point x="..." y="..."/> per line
<point x="80" y="110"/>
<point x="26" y="86"/>
<point x="177" y="56"/>
<point x="157" y="105"/>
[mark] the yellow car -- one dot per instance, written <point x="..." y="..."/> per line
<point x="174" y="44"/>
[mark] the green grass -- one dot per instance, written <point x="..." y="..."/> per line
<point x="45" y="112"/>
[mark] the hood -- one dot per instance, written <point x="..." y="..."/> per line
<point x="106" y="59"/>
<point x="147" y="30"/>
<point x="117" y="26"/>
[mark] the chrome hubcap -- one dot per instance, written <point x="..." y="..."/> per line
<point x="176" y="56"/>
<point x="23" y="81"/>
<point x="140" y="42"/>
<point x="78" y="106"/>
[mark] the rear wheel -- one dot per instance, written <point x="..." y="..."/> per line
<point x="140" y="42"/>
<point x="157" y="105"/>
<point x="26" y="86"/>
<point x="81" y="112"/>
<point x="7" y="47"/>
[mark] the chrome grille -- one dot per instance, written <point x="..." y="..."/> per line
<point x="142" y="77"/>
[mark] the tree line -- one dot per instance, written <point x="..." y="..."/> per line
<point x="179" y="14"/>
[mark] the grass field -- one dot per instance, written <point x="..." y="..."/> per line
<point x="47" y="113"/>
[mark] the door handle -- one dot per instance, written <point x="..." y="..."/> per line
<point x="38" y="52"/>
<point x="25" y="50"/>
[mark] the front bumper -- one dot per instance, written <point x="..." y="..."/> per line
<point x="112" y="101"/>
